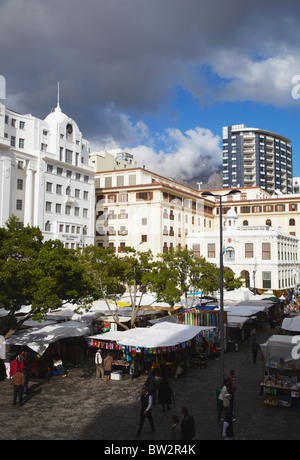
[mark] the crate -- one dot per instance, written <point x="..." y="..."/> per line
<point x="116" y="375"/>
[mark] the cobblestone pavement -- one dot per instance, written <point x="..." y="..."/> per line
<point x="81" y="408"/>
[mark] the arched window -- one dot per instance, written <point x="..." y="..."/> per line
<point x="245" y="223"/>
<point x="268" y="222"/>
<point x="48" y="226"/>
<point x="292" y="222"/>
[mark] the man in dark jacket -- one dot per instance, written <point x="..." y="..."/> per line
<point x="187" y="425"/>
<point x="146" y="405"/>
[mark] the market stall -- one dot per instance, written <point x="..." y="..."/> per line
<point x="42" y="343"/>
<point x="281" y="385"/>
<point x="159" y="347"/>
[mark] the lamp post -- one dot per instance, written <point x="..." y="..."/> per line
<point x="232" y="192"/>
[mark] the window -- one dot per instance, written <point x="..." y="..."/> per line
<point x="146" y="196"/>
<point x="76" y="211"/>
<point x="69" y="173"/>
<point x="61" y="228"/>
<point x="196" y="250"/>
<point x="268" y="223"/>
<point x="58" y="189"/>
<point x="266" y="279"/>
<point x="245" y="209"/>
<point x="78" y="176"/>
<point x="19" y="205"/>
<point x="59" y="171"/>
<point x="49" y="168"/>
<point x="144" y="239"/>
<point x="266" y="251"/>
<point x="12" y="141"/>
<point x="13" y="122"/>
<point x="58" y="208"/>
<point x="245" y="223"/>
<point x="49" y="187"/>
<point x="144" y="221"/>
<point x="48" y="226"/>
<point x="86" y="178"/>
<point x="85" y="195"/>
<point x="230" y="254"/>
<point x="69" y="154"/>
<point x="292" y="222"/>
<point x="211" y="250"/>
<point x="77" y="193"/>
<point x="85" y="212"/>
<point x="120" y="181"/>
<point x="108" y="182"/>
<point x="21" y="143"/>
<point x="20" y="184"/>
<point x="68" y="209"/>
<point x="48" y="206"/>
<point x="248" y="250"/>
<point x="123" y="197"/>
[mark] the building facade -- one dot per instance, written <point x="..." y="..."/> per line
<point x="45" y="179"/>
<point x="256" y="157"/>
<point x="263" y="256"/>
<point x="143" y="210"/>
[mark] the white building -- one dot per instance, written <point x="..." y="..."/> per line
<point x="45" y="179"/>
<point x="263" y="256"/>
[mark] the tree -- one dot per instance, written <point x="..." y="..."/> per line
<point x="188" y="274"/>
<point x="113" y="276"/>
<point x="42" y="275"/>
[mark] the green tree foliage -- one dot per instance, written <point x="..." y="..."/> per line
<point x="42" y="275"/>
<point x="113" y="276"/>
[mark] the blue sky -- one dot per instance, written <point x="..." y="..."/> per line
<point x="157" y="78"/>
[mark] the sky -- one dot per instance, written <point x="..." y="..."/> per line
<point x="157" y="78"/>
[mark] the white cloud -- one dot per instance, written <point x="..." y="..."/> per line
<point x="265" y="80"/>
<point x="194" y="154"/>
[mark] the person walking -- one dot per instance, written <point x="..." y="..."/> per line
<point x="175" y="430"/>
<point x="99" y="365"/>
<point x="227" y="429"/>
<point x="151" y="384"/>
<point x="145" y="399"/>
<point x="17" y="381"/>
<point x="232" y="389"/>
<point x="255" y="349"/>
<point x="107" y="364"/>
<point x="165" y="393"/>
<point x="187" y="425"/>
<point x="224" y="400"/>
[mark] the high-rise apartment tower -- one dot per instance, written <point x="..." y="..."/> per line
<point x="256" y="157"/>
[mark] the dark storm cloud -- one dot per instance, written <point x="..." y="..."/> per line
<point x="116" y="57"/>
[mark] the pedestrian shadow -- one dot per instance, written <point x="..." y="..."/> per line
<point x="33" y="391"/>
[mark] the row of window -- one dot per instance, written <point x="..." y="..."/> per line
<point x="68" y="208"/>
<point x="283" y="253"/>
<point x="59" y="190"/>
<point x="69" y="174"/>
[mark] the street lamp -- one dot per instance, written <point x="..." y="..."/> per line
<point x="232" y="192"/>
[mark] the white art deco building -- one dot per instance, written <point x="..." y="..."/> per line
<point x="45" y="179"/>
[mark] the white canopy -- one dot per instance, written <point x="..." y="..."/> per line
<point x="236" y="321"/>
<point x="279" y="346"/>
<point x="245" y="310"/>
<point x="38" y="339"/>
<point x="291" y="324"/>
<point x="164" y="334"/>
